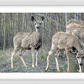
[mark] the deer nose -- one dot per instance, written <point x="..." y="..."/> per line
<point x="81" y="64"/>
<point x="37" y="27"/>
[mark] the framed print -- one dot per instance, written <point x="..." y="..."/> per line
<point x="44" y="34"/>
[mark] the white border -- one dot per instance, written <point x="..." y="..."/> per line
<point x="34" y="9"/>
<point x="42" y="75"/>
<point x="41" y="9"/>
<point x="42" y="2"/>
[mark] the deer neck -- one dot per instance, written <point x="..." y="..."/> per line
<point x="38" y="34"/>
<point x="78" y="45"/>
<point x="78" y="48"/>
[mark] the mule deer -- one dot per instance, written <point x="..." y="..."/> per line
<point x="69" y="43"/>
<point x="28" y="41"/>
<point x="77" y="27"/>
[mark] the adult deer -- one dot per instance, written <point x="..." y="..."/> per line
<point x="69" y="43"/>
<point x="76" y="27"/>
<point x="28" y="41"/>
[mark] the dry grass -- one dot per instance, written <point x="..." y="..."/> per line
<point x="5" y="63"/>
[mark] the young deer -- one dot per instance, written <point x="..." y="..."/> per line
<point x="69" y="43"/>
<point x="28" y="41"/>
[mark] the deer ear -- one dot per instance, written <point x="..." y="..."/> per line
<point x="42" y="18"/>
<point x="32" y="18"/>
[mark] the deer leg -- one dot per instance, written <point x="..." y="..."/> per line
<point x="56" y="59"/>
<point x="79" y="62"/>
<point x="12" y="57"/>
<point x="80" y="69"/>
<point x="32" y="57"/>
<point x="68" y="58"/>
<point x="22" y="51"/>
<point x="48" y="58"/>
<point x="36" y="57"/>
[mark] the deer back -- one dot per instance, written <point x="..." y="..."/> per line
<point x="63" y="39"/>
<point x="81" y="23"/>
<point x="77" y="27"/>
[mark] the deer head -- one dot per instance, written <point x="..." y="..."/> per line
<point x="79" y="56"/>
<point x="37" y="23"/>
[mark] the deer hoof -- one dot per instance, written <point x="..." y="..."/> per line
<point x="46" y="69"/>
<point x="11" y="66"/>
<point x="33" y="66"/>
<point x="36" y="65"/>
<point x="79" y="71"/>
